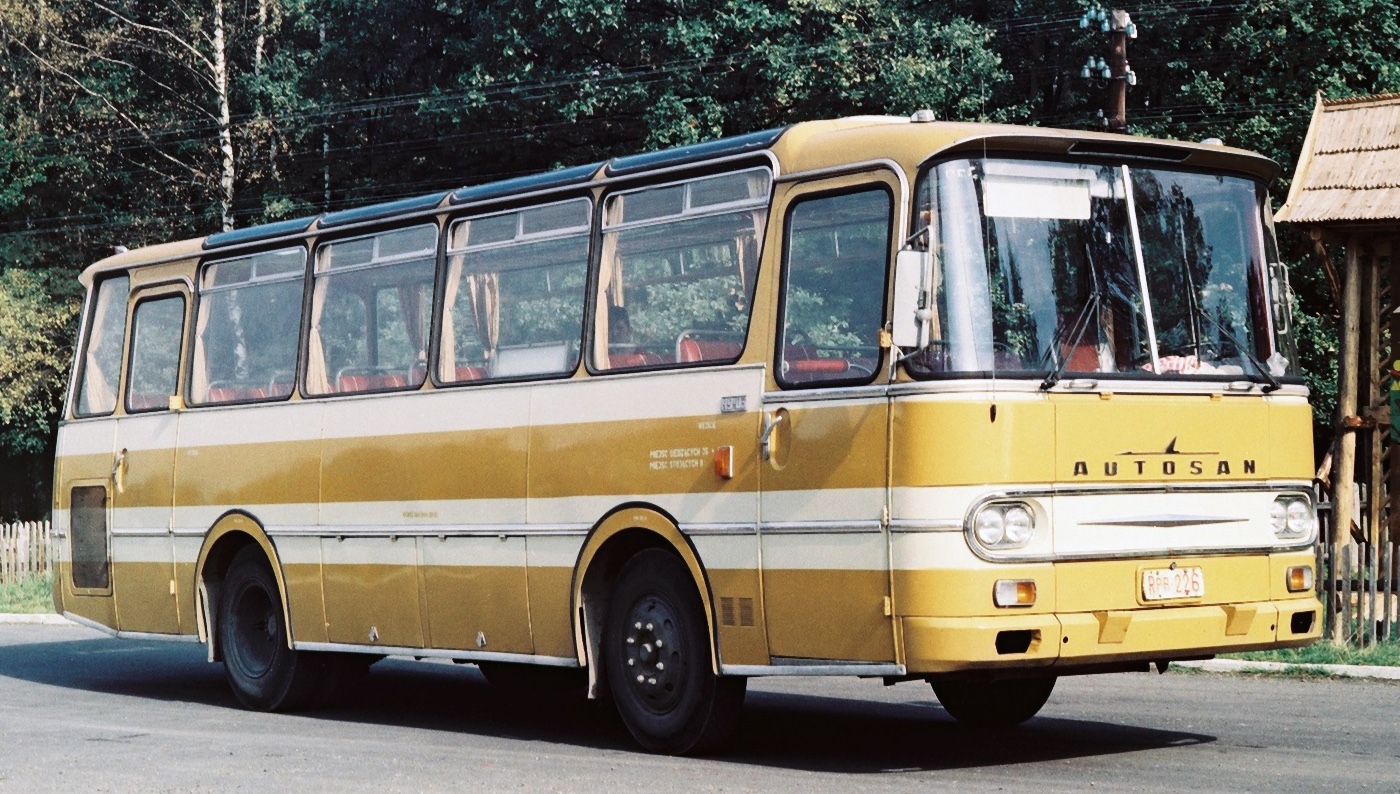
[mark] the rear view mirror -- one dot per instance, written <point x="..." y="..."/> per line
<point x="911" y="299"/>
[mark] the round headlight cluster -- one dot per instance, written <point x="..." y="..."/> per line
<point x="1003" y="526"/>
<point x="1292" y="517"/>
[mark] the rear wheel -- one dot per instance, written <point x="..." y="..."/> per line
<point x="656" y="652"/>
<point x="264" y="673"/>
<point x="994" y="704"/>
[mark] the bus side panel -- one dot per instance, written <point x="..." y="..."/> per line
<point x="263" y="460"/>
<point x="600" y="443"/>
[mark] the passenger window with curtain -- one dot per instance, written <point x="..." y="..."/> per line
<point x="834" y="288"/>
<point x="102" y="355"/>
<point x="370" y="308"/>
<point x="156" y="330"/>
<point x="515" y="292"/>
<point x="249" y="321"/>
<point x="677" y="271"/>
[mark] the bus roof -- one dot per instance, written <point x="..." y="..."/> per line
<point x="802" y="147"/>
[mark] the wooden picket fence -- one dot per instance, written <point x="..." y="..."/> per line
<point x="1360" y="592"/>
<point x="26" y="550"/>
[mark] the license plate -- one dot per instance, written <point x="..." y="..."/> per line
<point x="1163" y="584"/>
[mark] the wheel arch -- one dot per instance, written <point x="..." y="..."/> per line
<point x="230" y="534"/>
<point x="613" y="540"/>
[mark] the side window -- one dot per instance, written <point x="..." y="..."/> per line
<point x="514" y="294"/>
<point x="245" y="344"/>
<point x="101" y="361"/>
<point x="371" y="302"/>
<point x="834" y="289"/>
<point x="677" y="271"/>
<point x="156" y="329"/>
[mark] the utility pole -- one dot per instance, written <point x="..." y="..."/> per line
<point x="1114" y="74"/>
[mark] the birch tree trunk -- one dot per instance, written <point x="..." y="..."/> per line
<point x="225" y="117"/>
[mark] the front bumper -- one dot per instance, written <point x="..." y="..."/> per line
<point x="1105" y="638"/>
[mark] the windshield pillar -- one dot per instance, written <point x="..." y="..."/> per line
<point x="1142" y="272"/>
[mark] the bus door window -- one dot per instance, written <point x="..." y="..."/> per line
<point x="677" y="271"/>
<point x="102" y="357"/>
<point x="249" y="319"/>
<point x="370" y="306"/>
<point x="514" y="293"/>
<point x="155" y="353"/>
<point x="833" y="292"/>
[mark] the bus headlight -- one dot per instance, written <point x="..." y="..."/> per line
<point x="1008" y="525"/>
<point x="1292" y="517"/>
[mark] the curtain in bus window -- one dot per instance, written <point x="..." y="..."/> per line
<point x="515" y="293"/>
<point x="369" y="312"/>
<point x="102" y="361"/>
<point x="677" y="271"/>
<point x="247" y="327"/>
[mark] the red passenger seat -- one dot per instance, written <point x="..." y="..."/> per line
<point x="370" y="382"/>
<point x="690" y="349"/>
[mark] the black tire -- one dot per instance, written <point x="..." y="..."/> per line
<point x="994" y="704"/>
<point x="263" y="672"/>
<point x="656" y="652"/>
<point x="536" y="682"/>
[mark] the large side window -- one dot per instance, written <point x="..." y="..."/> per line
<point x="514" y="293"/>
<point x="677" y="271"/>
<point x="102" y="356"/>
<point x="245" y="345"/>
<point x="370" y="307"/>
<point x="156" y="330"/>
<point x="834" y="288"/>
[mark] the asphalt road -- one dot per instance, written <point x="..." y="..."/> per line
<point x="80" y="711"/>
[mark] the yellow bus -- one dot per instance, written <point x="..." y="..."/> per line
<point x="885" y="397"/>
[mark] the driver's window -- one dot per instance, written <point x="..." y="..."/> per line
<point x="834" y="288"/>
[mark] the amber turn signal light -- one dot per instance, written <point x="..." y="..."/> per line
<point x="1300" y="578"/>
<point x="1014" y="593"/>
<point x="724" y="462"/>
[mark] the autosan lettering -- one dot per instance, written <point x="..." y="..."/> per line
<point x="1170" y="462"/>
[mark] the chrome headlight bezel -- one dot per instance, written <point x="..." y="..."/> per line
<point x="1293" y="516"/>
<point x="997" y="526"/>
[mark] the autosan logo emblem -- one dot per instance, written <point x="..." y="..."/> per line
<point x="1170" y="462"/>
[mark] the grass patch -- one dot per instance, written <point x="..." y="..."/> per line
<point x="1385" y="654"/>
<point x="31" y="596"/>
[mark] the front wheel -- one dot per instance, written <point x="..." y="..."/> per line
<point x="993" y="704"/>
<point x="264" y="673"/>
<point x="656" y="652"/>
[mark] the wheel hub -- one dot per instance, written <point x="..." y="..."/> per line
<point x="653" y="652"/>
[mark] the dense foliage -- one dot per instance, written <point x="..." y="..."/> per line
<point x="126" y="123"/>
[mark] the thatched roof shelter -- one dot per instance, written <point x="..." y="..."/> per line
<point x="1348" y="173"/>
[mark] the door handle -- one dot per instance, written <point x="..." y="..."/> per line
<point x="765" y="441"/>
<point x="119" y="471"/>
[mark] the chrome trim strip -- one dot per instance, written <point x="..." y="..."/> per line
<point x="913" y="525"/>
<point x="1164" y="521"/>
<point x="719" y="529"/>
<point x="825" y="395"/>
<point x="129" y="635"/>
<point x="421" y="531"/>
<point x="819" y="527"/>
<point x="813" y="667"/>
<point x="140" y="532"/>
<point x="439" y="653"/>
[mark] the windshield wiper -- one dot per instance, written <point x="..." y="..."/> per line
<point x="1270" y="383"/>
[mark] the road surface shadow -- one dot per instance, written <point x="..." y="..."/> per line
<point x="778" y="729"/>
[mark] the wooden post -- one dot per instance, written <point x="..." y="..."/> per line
<point x="1343" y="480"/>
<point x="1374" y="475"/>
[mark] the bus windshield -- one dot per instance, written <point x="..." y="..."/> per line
<point x="1052" y="268"/>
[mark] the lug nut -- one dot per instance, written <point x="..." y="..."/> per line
<point x="661" y="665"/>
